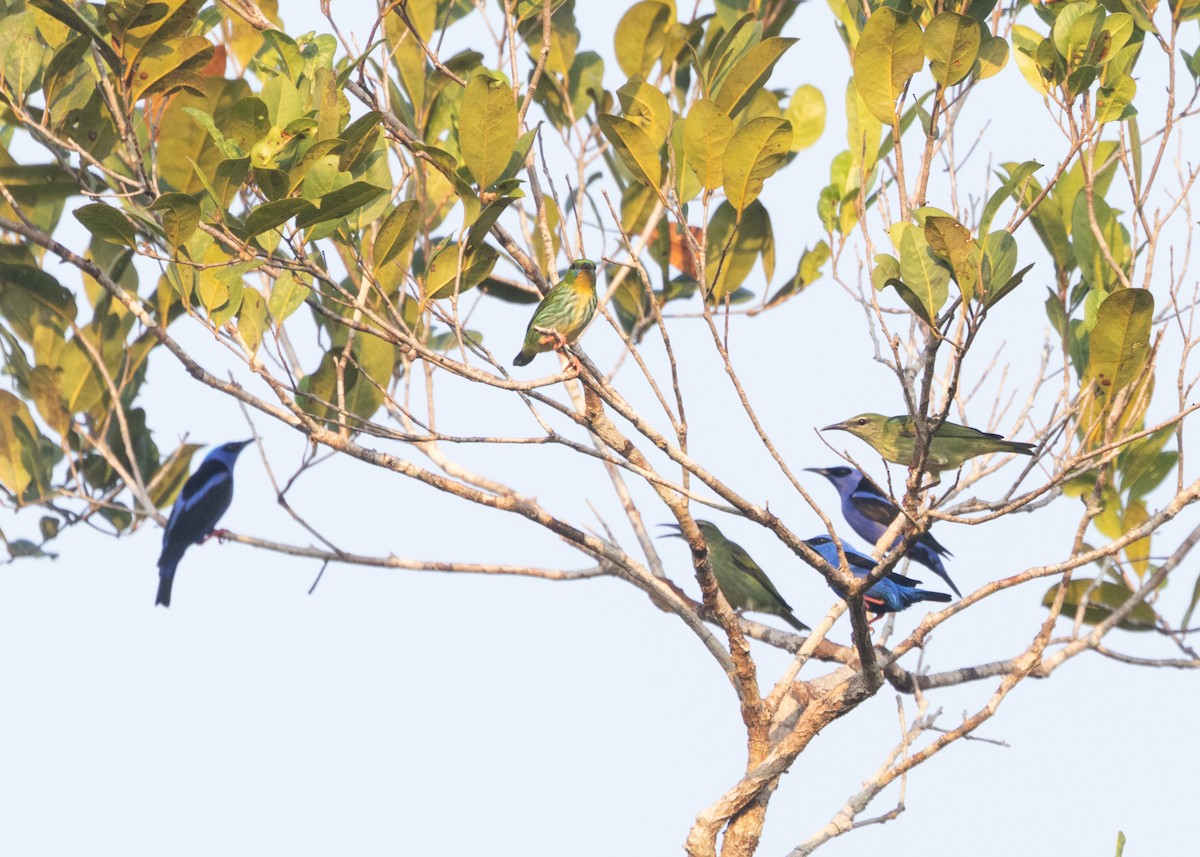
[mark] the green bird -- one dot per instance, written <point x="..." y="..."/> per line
<point x="895" y="439"/>
<point x="563" y="313"/>
<point x="744" y="585"/>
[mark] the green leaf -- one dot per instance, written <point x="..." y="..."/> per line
<point x="1011" y="187"/>
<point x="706" y="134"/>
<point x="287" y="294"/>
<point x="753" y="154"/>
<point x="166" y="68"/>
<point x="889" y="52"/>
<point x="442" y="278"/>
<point x="19" y="458"/>
<point x="640" y="37"/>
<point x="227" y="180"/>
<point x="749" y="74"/>
<point x="636" y="149"/>
<point x="806" y="112"/>
<point x="63" y="11"/>
<point x="1120" y="342"/>
<point x="396" y="232"/>
<point x="1025" y="47"/>
<point x="808" y="271"/>
<point x="1101" y="603"/>
<point x="1089" y="256"/>
<point x="993" y="57"/>
<point x="272" y="215"/>
<point x="106" y="223"/>
<point x="1114" y="102"/>
<point x="952" y="45"/>
<point x="487" y="129"/>
<point x="180" y="216"/>
<point x="338" y="203"/>
<point x="734" y="244"/>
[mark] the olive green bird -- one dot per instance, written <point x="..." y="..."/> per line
<point x="895" y="438"/>
<point x="563" y="313"/>
<point x="744" y="585"/>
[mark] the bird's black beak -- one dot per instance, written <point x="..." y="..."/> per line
<point x="835" y="427"/>
<point x="242" y="444"/>
<point x="678" y="534"/>
<point x="824" y="471"/>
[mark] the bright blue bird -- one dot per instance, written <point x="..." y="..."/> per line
<point x="869" y="513"/>
<point x="204" y="498"/>
<point x="890" y="594"/>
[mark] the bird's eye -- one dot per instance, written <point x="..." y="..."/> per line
<point x="863" y="421"/>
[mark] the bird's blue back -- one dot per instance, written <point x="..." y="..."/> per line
<point x="890" y="594"/>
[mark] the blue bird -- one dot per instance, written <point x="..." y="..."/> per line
<point x="892" y="593"/>
<point x="869" y="513"/>
<point x="204" y="498"/>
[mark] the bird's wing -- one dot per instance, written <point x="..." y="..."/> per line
<point x="745" y="564"/>
<point x="204" y="498"/>
<point x="907" y="428"/>
<point x="874" y="507"/>
<point x="896" y="577"/>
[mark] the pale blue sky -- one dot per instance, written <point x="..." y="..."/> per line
<point x="418" y="713"/>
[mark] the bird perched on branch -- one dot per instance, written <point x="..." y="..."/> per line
<point x="204" y="498"/>
<point x="563" y="313"/>
<point x="744" y="585"/>
<point x="895" y="439"/>
<point x="890" y="594"/>
<point x="869" y="513"/>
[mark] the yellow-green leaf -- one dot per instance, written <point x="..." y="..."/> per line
<point x="806" y="112"/>
<point x="888" y="54"/>
<point x="952" y="242"/>
<point x="1120" y="342"/>
<point x="396" y="232"/>
<point x="287" y="294"/>
<point x="754" y="153"/>
<point x="106" y="223"/>
<point x="252" y="318"/>
<point x="640" y="36"/>
<point x="636" y="149"/>
<point x="646" y="107"/>
<point x="750" y="73"/>
<point x="952" y="45"/>
<point x="706" y="133"/>
<point x="487" y="130"/>
<point x="180" y="216"/>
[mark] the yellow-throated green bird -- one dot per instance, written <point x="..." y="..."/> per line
<point x="744" y="585"/>
<point x="895" y="439"/>
<point x="563" y="313"/>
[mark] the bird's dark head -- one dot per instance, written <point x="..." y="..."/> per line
<point x="838" y="474"/>
<point x="817" y="542"/>
<point x="583" y="265"/>
<point x="228" y="452"/>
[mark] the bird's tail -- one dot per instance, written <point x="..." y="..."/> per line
<point x="166" y="577"/>
<point x="912" y="596"/>
<point x="522" y="359"/>
<point x="922" y="554"/>
<point x="1018" y="447"/>
<point x="794" y="622"/>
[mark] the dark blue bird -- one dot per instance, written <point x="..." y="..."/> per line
<point x="869" y="513"/>
<point x="892" y="593"/>
<point x="204" y="498"/>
